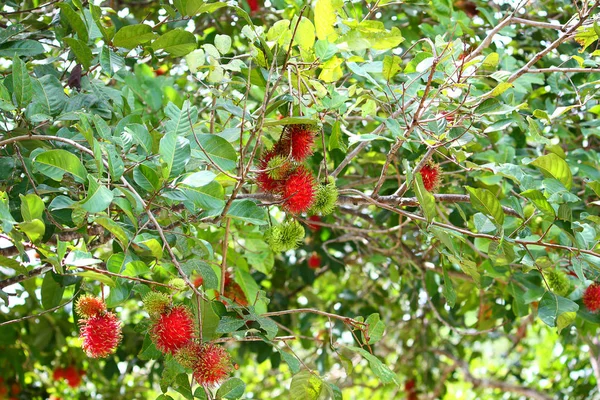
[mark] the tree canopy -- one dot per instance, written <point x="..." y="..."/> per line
<point x="296" y="199"/>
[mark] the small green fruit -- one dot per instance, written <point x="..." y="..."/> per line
<point x="325" y="199"/>
<point x="284" y="237"/>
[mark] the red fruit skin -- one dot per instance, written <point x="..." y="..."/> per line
<point x="58" y="373"/>
<point x="213" y="365"/>
<point x="253" y="4"/>
<point x="297" y="141"/>
<point x="72" y="376"/>
<point x="233" y="291"/>
<point x="89" y="306"/>
<point x="100" y="334"/>
<point x="263" y="179"/>
<point x="314" y="227"/>
<point x="198" y="281"/>
<point x="314" y="261"/>
<point x="591" y="297"/>
<point x="431" y="177"/>
<point x="15" y="389"/>
<point x="173" y="329"/>
<point x="299" y="191"/>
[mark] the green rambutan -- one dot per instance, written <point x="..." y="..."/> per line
<point x="279" y="167"/>
<point x="326" y="197"/>
<point x="284" y="237"/>
<point x="558" y="282"/>
<point x="156" y="303"/>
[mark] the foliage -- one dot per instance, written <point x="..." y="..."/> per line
<point x="131" y="140"/>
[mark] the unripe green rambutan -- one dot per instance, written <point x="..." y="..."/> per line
<point x="156" y="303"/>
<point x="178" y="283"/>
<point x="558" y="282"/>
<point x="284" y="237"/>
<point x="187" y="356"/>
<point x="325" y="199"/>
<point x="279" y="167"/>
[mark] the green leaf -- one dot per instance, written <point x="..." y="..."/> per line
<point x="595" y="186"/>
<point x="448" y="290"/>
<point x="98" y="197"/>
<point x="182" y="385"/>
<point x="95" y="276"/>
<point x="21" y="48"/>
<point x="269" y="326"/>
<point x="384" y="374"/>
<point x="552" y="306"/>
<point x="110" y="61"/>
<point x="218" y="151"/>
<point x="13" y="264"/>
<point x="223" y="43"/>
<point x="485" y="201"/>
<point x="552" y="166"/>
<point x="426" y="199"/>
<point x="540" y="202"/>
<point x="177" y="42"/>
<point x="74" y="21"/>
<point x="291" y="121"/>
<point x="247" y="211"/>
<point x="565" y="319"/>
<point x="52" y="292"/>
<point x="375" y="329"/>
<point x="181" y="121"/>
<point x="196" y="7"/>
<point x="116" y="167"/>
<point x="229" y="324"/>
<point x="232" y="389"/>
<point x="32" y="207"/>
<point x="54" y="164"/>
<point x="131" y="36"/>
<point x="82" y="52"/>
<point x="22" y="86"/>
<point x="305" y="34"/>
<point x="391" y="66"/>
<point x="305" y="386"/>
<point x="118" y="232"/>
<point x="49" y="94"/>
<point x="34" y="229"/>
<point x="325" y="18"/>
<point x="146" y="177"/>
<point x="175" y="152"/>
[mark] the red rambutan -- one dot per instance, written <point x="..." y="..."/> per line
<point x="172" y="329"/>
<point x="58" y="373"/>
<point x="264" y="180"/>
<point x="90" y="306"/>
<point x="198" y="281"/>
<point x="101" y="334"/>
<point x="72" y="376"/>
<point x="299" y="191"/>
<point x="254" y="6"/>
<point x="314" y="261"/>
<point x="297" y="140"/>
<point x="213" y="365"/>
<point x="431" y="176"/>
<point x="314" y="227"/>
<point x="591" y="297"/>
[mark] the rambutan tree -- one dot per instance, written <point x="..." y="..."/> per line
<point x="299" y="199"/>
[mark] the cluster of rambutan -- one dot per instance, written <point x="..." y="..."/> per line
<point x="71" y="374"/>
<point x="282" y="171"/>
<point x="591" y="297"/>
<point x="173" y="332"/>
<point x="100" y="330"/>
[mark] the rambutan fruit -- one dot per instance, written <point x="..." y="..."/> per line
<point x="263" y="178"/>
<point x="213" y="365"/>
<point x="314" y="261"/>
<point x="279" y="167"/>
<point x="58" y="373"/>
<point x="558" y="282"/>
<point x="314" y="227"/>
<point x="298" y="191"/>
<point x="187" y="355"/>
<point x="156" y="303"/>
<point x="172" y="329"/>
<point x="591" y="297"/>
<point x="326" y="197"/>
<point x="72" y="376"/>
<point x="178" y="283"/>
<point x="431" y="176"/>
<point x="101" y="334"/>
<point x="89" y="306"/>
<point x="284" y="237"/>
<point x="198" y="281"/>
<point x="297" y="140"/>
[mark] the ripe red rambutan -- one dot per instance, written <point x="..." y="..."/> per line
<point x="263" y="178"/>
<point x="58" y="373"/>
<point x="431" y="176"/>
<point x="172" y="329"/>
<point x="213" y="365"/>
<point x="187" y="355"/>
<point x="314" y="227"/>
<point x="591" y="297"/>
<point x="297" y="140"/>
<point x="198" y="281"/>
<point x="314" y="261"/>
<point x="101" y="334"/>
<point x="299" y="191"/>
<point x="72" y="376"/>
<point x="89" y="306"/>
<point x="254" y="6"/>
